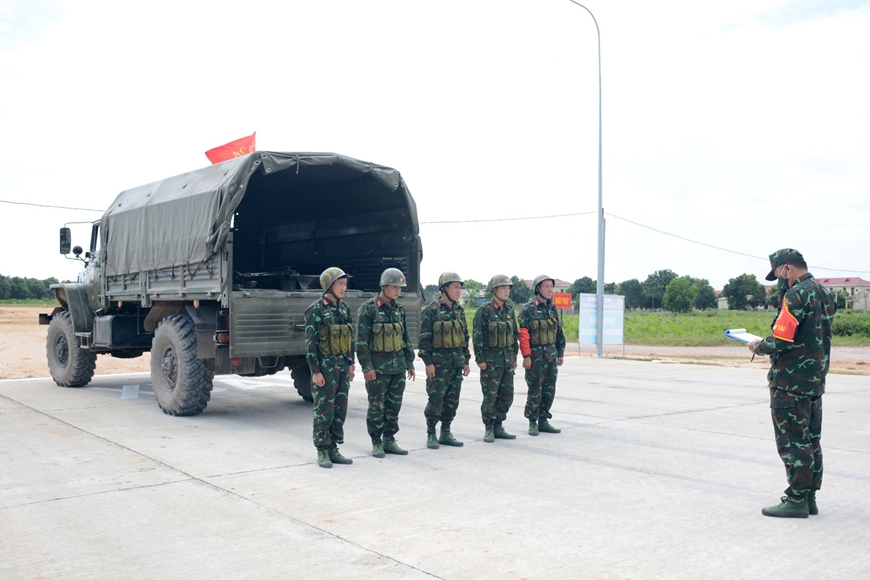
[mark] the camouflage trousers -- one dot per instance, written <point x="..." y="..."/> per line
<point x="541" y="381"/>
<point x="443" y="390"/>
<point x="330" y="406"/>
<point x="497" y="384"/>
<point x="385" y="402"/>
<point x="797" y="425"/>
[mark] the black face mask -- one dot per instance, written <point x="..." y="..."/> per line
<point x="782" y="284"/>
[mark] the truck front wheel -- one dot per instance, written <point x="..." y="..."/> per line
<point x="69" y="363"/>
<point x="182" y="382"/>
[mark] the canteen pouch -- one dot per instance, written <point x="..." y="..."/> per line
<point x="543" y="331"/>
<point x="497" y="334"/>
<point x="552" y="331"/>
<point x="387" y="337"/>
<point x="377" y="341"/>
<point x="438" y="334"/>
<point x="335" y="339"/>
<point x="448" y="334"/>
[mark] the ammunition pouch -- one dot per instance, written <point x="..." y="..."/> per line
<point x="448" y="334"/>
<point x="387" y="337"/>
<point x="499" y="334"/>
<point x="335" y="339"/>
<point x="543" y="331"/>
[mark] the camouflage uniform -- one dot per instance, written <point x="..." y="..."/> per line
<point x="330" y="400"/>
<point x="799" y="349"/>
<point x="385" y="392"/>
<point x="541" y="378"/>
<point x="443" y="389"/>
<point x="497" y="380"/>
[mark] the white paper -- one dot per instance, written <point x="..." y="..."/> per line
<point x="741" y="335"/>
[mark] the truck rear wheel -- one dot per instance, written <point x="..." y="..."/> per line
<point x="182" y="382"/>
<point x="69" y="363"/>
<point x="302" y="381"/>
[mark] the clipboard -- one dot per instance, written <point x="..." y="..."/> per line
<point x="741" y="335"/>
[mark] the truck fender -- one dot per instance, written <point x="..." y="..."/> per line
<point x="74" y="298"/>
<point x="161" y="310"/>
<point x="205" y="319"/>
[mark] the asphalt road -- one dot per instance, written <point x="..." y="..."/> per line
<point x="661" y="471"/>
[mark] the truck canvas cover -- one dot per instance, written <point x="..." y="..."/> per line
<point x="185" y="219"/>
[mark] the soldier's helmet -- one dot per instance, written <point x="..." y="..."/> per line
<point x="330" y="275"/>
<point x="448" y="277"/>
<point x="540" y="279"/>
<point x="393" y="277"/>
<point x="498" y="280"/>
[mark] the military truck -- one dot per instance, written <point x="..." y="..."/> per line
<point x="212" y="270"/>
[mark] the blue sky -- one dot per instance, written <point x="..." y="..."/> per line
<point x="741" y="125"/>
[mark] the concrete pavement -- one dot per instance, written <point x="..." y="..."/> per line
<point x="661" y="471"/>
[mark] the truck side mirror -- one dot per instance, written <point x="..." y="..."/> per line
<point x="65" y="241"/>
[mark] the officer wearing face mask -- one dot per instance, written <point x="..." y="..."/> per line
<point x="800" y="348"/>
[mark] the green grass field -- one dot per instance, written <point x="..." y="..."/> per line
<point x="706" y="328"/>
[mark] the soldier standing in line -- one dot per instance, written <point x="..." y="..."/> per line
<point x="800" y="349"/>
<point x="495" y="351"/>
<point x="444" y="350"/>
<point x="329" y="352"/>
<point x="383" y="347"/>
<point x="542" y="344"/>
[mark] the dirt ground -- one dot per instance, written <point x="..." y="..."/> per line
<point x="22" y="351"/>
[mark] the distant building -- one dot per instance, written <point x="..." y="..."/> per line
<point x="848" y="286"/>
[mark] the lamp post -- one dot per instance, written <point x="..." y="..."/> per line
<point x="599" y="332"/>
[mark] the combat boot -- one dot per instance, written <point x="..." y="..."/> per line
<point x="336" y="457"/>
<point x="447" y="438"/>
<point x="390" y="446"/>
<point x="533" y="428"/>
<point x="323" y="459"/>
<point x="377" y="449"/>
<point x="432" y="441"/>
<point x="500" y="433"/>
<point x="811" y="504"/>
<point x="489" y="435"/>
<point x="545" y="427"/>
<point x="788" y="508"/>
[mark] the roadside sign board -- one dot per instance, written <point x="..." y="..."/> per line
<point x="561" y="300"/>
<point x="614" y="318"/>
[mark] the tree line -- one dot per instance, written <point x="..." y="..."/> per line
<point x="662" y="290"/>
<point x="16" y="288"/>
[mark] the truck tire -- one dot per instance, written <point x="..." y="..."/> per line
<point x="302" y="381"/>
<point x="182" y="382"/>
<point x="69" y="363"/>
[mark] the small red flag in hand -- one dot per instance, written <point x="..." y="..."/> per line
<point x="237" y="148"/>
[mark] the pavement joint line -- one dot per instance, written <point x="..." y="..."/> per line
<point x="219" y="488"/>
<point x="686" y="412"/>
<point x="95" y="493"/>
